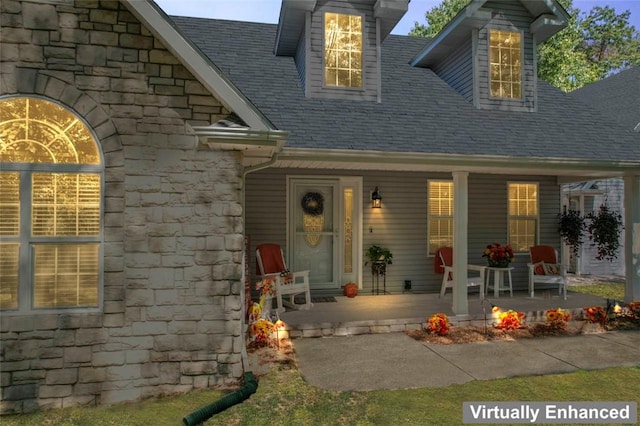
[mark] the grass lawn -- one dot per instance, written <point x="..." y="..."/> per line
<point x="604" y="290"/>
<point x="283" y="398"/>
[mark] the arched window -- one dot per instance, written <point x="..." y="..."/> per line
<point x="51" y="176"/>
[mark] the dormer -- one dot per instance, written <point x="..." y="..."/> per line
<point x="336" y="44"/>
<point x="487" y="52"/>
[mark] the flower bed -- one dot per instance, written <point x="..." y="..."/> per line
<point x="510" y="325"/>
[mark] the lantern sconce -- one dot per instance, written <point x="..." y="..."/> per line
<point x="376" y="199"/>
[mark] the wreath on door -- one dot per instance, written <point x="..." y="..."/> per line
<point x="313" y="203"/>
<point x="313" y="220"/>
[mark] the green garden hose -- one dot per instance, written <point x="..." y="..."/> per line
<point x="200" y="415"/>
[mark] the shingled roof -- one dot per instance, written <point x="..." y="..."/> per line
<point x="419" y="112"/>
<point x="617" y="96"/>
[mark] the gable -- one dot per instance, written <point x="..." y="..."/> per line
<point x="460" y="54"/>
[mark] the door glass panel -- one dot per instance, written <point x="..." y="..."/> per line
<point x="348" y="230"/>
<point x="313" y="244"/>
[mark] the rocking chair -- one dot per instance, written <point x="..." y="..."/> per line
<point x="271" y="265"/>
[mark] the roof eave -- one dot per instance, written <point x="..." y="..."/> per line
<point x="467" y="162"/>
<point x="474" y="16"/>
<point x="390" y="12"/>
<point x="546" y="26"/>
<point x="292" y="13"/>
<point x="453" y="34"/>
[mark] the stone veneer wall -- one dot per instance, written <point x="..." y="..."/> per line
<point x="173" y="228"/>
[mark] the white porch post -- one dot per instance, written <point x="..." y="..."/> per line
<point x="460" y="233"/>
<point x="632" y="237"/>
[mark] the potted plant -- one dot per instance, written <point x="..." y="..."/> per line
<point x="571" y="226"/>
<point x="604" y="230"/>
<point x="379" y="257"/>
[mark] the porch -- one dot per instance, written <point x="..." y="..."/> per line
<point x="370" y="314"/>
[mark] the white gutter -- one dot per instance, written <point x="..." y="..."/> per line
<point x="240" y="133"/>
<point x="466" y="161"/>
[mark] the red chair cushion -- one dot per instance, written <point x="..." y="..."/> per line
<point x="546" y="254"/>
<point x="447" y="255"/>
<point x="272" y="261"/>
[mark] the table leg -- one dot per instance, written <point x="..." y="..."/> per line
<point x="496" y="283"/>
<point x="510" y="284"/>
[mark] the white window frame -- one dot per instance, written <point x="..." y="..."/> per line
<point x="514" y="217"/>
<point x="431" y="217"/>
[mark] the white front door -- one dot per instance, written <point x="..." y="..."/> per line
<point x="324" y="229"/>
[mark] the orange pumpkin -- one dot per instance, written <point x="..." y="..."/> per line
<point x="351" y="289"/>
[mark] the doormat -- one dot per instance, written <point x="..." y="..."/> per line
<point x="315" y="299"/>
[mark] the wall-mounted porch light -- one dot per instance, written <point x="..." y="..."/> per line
<point x="376" y="199"/>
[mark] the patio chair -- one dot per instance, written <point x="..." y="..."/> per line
<point x="544" y="268"/>
<point x="444" y="265"/>
<point x="271" y="264"/>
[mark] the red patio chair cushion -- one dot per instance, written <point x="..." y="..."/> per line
<point x="272" y="261"/>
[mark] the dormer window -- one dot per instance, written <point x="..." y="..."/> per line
<point x="505" y="52"/>
<point x="342" y="50"/>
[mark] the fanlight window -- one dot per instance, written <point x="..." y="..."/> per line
<point x="50" y="208"/>
<point x="504" y="57"/>
<point x="342" y="50"/>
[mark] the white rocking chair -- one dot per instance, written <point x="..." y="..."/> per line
<point x="271" y="264"/>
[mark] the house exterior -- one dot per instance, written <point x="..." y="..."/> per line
<point x="140" y="153"/>
<point x="618" y="98"/>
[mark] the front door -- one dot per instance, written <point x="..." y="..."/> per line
<point x="324" y="229"/>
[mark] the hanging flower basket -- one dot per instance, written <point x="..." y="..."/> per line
<point x="604" y="230"/>
<point x="571" y="227"/>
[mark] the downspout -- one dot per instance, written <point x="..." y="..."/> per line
<point x="250" y="385"/>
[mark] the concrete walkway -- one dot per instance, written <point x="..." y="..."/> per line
<point x="396" y="361"/>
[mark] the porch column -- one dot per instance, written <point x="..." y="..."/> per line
<point x="460" y="249"/>
<point x="632" y="237"/>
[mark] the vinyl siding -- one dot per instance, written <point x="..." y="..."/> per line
<point x="300" y="59"/>
<point x="401" y="223"/>
<point x="315" y="73"/>
<point x="457" y="71"/>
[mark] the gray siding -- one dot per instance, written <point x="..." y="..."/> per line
<point x="457" y="70"/>
<point x="315" y="73"/>
<point x="402" y="224"/>
<point x="300" y="60"/>
<point x="507" y="17"/>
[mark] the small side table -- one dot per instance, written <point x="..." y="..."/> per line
<point x="498" y="280"/>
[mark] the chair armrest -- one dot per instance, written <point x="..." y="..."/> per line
<point x="272" y="276"/>
<point x="479" y="268"/>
